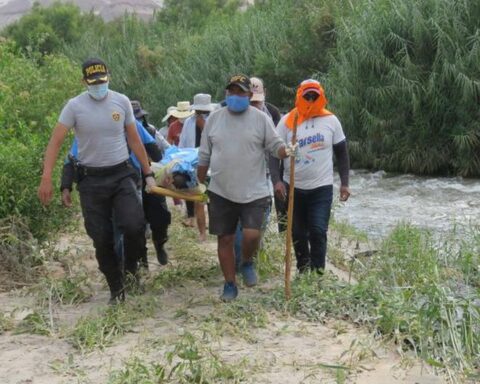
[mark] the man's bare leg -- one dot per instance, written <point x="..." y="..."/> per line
<point x="201" y="221"/>
<point x="226" y="257"/>
<point x="250" y="243"/>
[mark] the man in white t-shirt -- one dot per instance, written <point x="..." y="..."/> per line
<point x="319" y="136"/>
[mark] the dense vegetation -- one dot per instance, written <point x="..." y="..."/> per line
<point x="421" y="293"/>
<point x="30" y="98"/>
<point x="405" y="80"/>
<point x="403" y="76"/>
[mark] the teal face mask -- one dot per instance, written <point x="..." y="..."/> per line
<point x="98" y="91"/>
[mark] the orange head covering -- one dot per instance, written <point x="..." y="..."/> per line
<point x="308" y="109"/>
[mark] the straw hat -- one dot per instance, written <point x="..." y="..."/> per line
<point x="169" y="113"/>
<point x="183" y="110"/>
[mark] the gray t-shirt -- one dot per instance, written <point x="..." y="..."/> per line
<point x="234" y="147"/>
<point x="99" y="127"/>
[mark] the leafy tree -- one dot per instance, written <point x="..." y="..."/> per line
<point x="45" y="30"/>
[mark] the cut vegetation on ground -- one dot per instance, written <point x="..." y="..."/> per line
<point x="401" y="319"/>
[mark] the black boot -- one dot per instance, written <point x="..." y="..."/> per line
<point x="159" y="238"/>
<point x="162" y="255"/>
<point x="117" y="289"/>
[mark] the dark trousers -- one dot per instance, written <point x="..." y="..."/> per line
<point x="158" y="216"/>
<point x="281" y="208"/>
<point x="311" y="214"/>
<point x="101" y="198"/>
<point x="190" y="208"/>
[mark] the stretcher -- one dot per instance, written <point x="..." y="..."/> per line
<point x="198" y="196"/>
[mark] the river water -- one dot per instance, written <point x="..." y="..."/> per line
<point x="379" y="202"/>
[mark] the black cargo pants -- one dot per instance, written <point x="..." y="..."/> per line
<point x="157" y="215"/>
<point x="103" y="195"/>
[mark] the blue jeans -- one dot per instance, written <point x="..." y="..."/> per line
<point x="311" y="214"/>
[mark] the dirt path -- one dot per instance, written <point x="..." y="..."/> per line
<point x="180" y="322"/>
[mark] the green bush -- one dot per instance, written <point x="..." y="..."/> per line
<point x="31" y="98"/>
<point x="413" y="291"/>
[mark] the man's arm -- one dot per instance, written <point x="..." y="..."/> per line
<point x="45" y="190"/>
<point x="343" y="165"/>
<point x="282" y="152"/>
<point x="202" y="173"/>
<point x="274" y="166"/>
<point x="275" y="175"/>
<point x="137" y="147"/>
<point x="204" y="153"/>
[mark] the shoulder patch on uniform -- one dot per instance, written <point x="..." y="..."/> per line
<point x="115" y="116"/>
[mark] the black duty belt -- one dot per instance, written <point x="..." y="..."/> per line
<point x="103" y="171"/>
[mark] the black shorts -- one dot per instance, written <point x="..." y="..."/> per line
<point x="225" y="214"/>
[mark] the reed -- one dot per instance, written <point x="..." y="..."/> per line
<point x="404" y="81"/>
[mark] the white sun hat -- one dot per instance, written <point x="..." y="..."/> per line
<point x="169" y="113"/>
<point x="202" y="102"/>
<point x="257" y="89"/>
<point x="182" y="111"/>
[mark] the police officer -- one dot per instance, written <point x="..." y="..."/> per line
<point x="157" y="216"/>
<point x="104" y="126"/>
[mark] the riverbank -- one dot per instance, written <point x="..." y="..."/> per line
<point x="180" y="332"/>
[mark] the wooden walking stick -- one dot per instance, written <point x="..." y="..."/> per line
<point x="288" y="251"/>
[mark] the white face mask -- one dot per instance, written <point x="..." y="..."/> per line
<point x="98" y="91"/>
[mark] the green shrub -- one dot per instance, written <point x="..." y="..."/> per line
<point x="413" y="291"/>
<point x="31" y="98"/>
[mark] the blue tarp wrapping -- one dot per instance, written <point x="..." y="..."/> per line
<point x="184" y="160"/>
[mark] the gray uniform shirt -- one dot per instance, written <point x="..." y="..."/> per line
<point x="99" y="127"/>
<point x="234" y="147"/>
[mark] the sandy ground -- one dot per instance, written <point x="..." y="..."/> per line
<point x="285" y="350"/>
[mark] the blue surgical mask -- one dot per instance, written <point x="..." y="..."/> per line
<point x="98" y="91"/>
<point x="237" y="103"/>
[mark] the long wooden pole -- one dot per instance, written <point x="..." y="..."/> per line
<point x="288" y="251"/>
